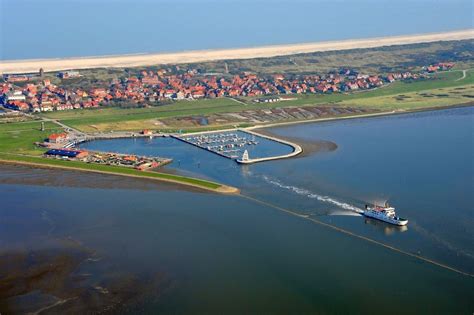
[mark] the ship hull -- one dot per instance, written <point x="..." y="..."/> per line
<point x="399" y="222"/>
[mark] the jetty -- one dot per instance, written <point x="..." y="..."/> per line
<point x="297" y="149"/>
<point x="232" y="146"/>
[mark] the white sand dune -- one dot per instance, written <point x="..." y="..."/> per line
<point x="33" y="65"/>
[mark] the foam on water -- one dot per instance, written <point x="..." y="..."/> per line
<point x="345" y="213"/>
<point x="312" y="195"/>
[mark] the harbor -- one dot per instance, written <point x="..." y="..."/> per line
<point x="229" y="145"/>
<point x="239" y="145"/>
<point x="244" y="146"/>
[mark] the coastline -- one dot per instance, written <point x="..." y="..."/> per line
<point x="223" y="189"/>
<point x="136" y="60"/>
<point x="377" y="114"/>
<point x="307" y="148"/>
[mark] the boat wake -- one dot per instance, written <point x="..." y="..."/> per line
<point x="312" y="195"/>
<point x="350" y="213"/>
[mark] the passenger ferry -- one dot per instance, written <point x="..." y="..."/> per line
<point x="385" y="213"/>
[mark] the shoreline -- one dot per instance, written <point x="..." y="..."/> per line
<point x="223" y="189"/>
<point x="376" y="114"/>
<point x="308" y="146"/>
<point x="148" y="59"/>
<point x="260" y="129"/>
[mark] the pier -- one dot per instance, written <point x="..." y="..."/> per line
<point x="75" y="139"/>
<point x="296" y="150"/>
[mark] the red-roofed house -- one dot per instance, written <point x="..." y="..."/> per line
<point x="57" y="137"/>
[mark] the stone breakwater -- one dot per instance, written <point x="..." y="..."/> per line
<point x="188" y="138"/>
<point x="297" y="149"/>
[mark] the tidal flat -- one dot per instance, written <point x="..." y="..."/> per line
<point x="74" y="242"/>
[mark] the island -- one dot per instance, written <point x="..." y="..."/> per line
<point x="51" y="106"/>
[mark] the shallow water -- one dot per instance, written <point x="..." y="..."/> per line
<point x="196" y="252"/>
<point x="421" y="163"/>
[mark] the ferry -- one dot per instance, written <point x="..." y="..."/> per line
<point x="384" y="213"/>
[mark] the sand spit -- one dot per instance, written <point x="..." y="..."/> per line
<point x="309" y="146"/>
<point x="32" y="65"/>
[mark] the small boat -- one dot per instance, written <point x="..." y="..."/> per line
<point x="384" y="213"/>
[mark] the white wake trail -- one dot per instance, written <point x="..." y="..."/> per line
<point x="310" y="194"/>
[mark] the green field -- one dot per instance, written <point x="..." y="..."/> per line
<point x="17" y="144"/>
<point x="439" y="90"/>
<point x="19" y="138"/>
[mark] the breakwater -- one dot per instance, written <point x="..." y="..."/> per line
<point x="296" y="150"/>
<point x="233" y="144"/>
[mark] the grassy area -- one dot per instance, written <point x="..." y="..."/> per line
<point x="109" y="169"/>
<point x="94" y="119"/>
<point x="17" y="144"/>
<point x="369" y="60"/>
<point x="19" y="138"/>
<point x="394" y="96"/>
<point x="417" y="100"/>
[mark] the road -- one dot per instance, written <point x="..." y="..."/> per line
<point x="236" y="100"/>
<point x="463" y="75"/>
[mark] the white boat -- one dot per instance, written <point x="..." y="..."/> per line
<point x="384" y="213"/>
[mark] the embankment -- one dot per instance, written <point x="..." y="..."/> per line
<point x="120" y="171"/>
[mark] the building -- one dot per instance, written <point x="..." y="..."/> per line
<point x="69" y="74"/>
<point x="57" y="137"/>
<point x="268" y="100"/>
<point x="67" y="153"/>
<point x="14" y="96"/>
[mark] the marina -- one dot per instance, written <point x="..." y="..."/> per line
<point x="239" y="145"/>
<point x="229" y="145"/>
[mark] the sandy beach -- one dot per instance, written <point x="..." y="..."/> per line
<point x="33" y="65"/>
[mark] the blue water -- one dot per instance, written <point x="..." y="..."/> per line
<point x="180" y="151"/>
<point x="104" y="27"/>
<point x="224" y="254"/>
<point x="421" y="163"/>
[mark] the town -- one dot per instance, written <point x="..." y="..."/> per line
<point x="34" y="93"/>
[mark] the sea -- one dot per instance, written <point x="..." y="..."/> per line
<point x="32" y="29"/>
<point x="292" y="242"/>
